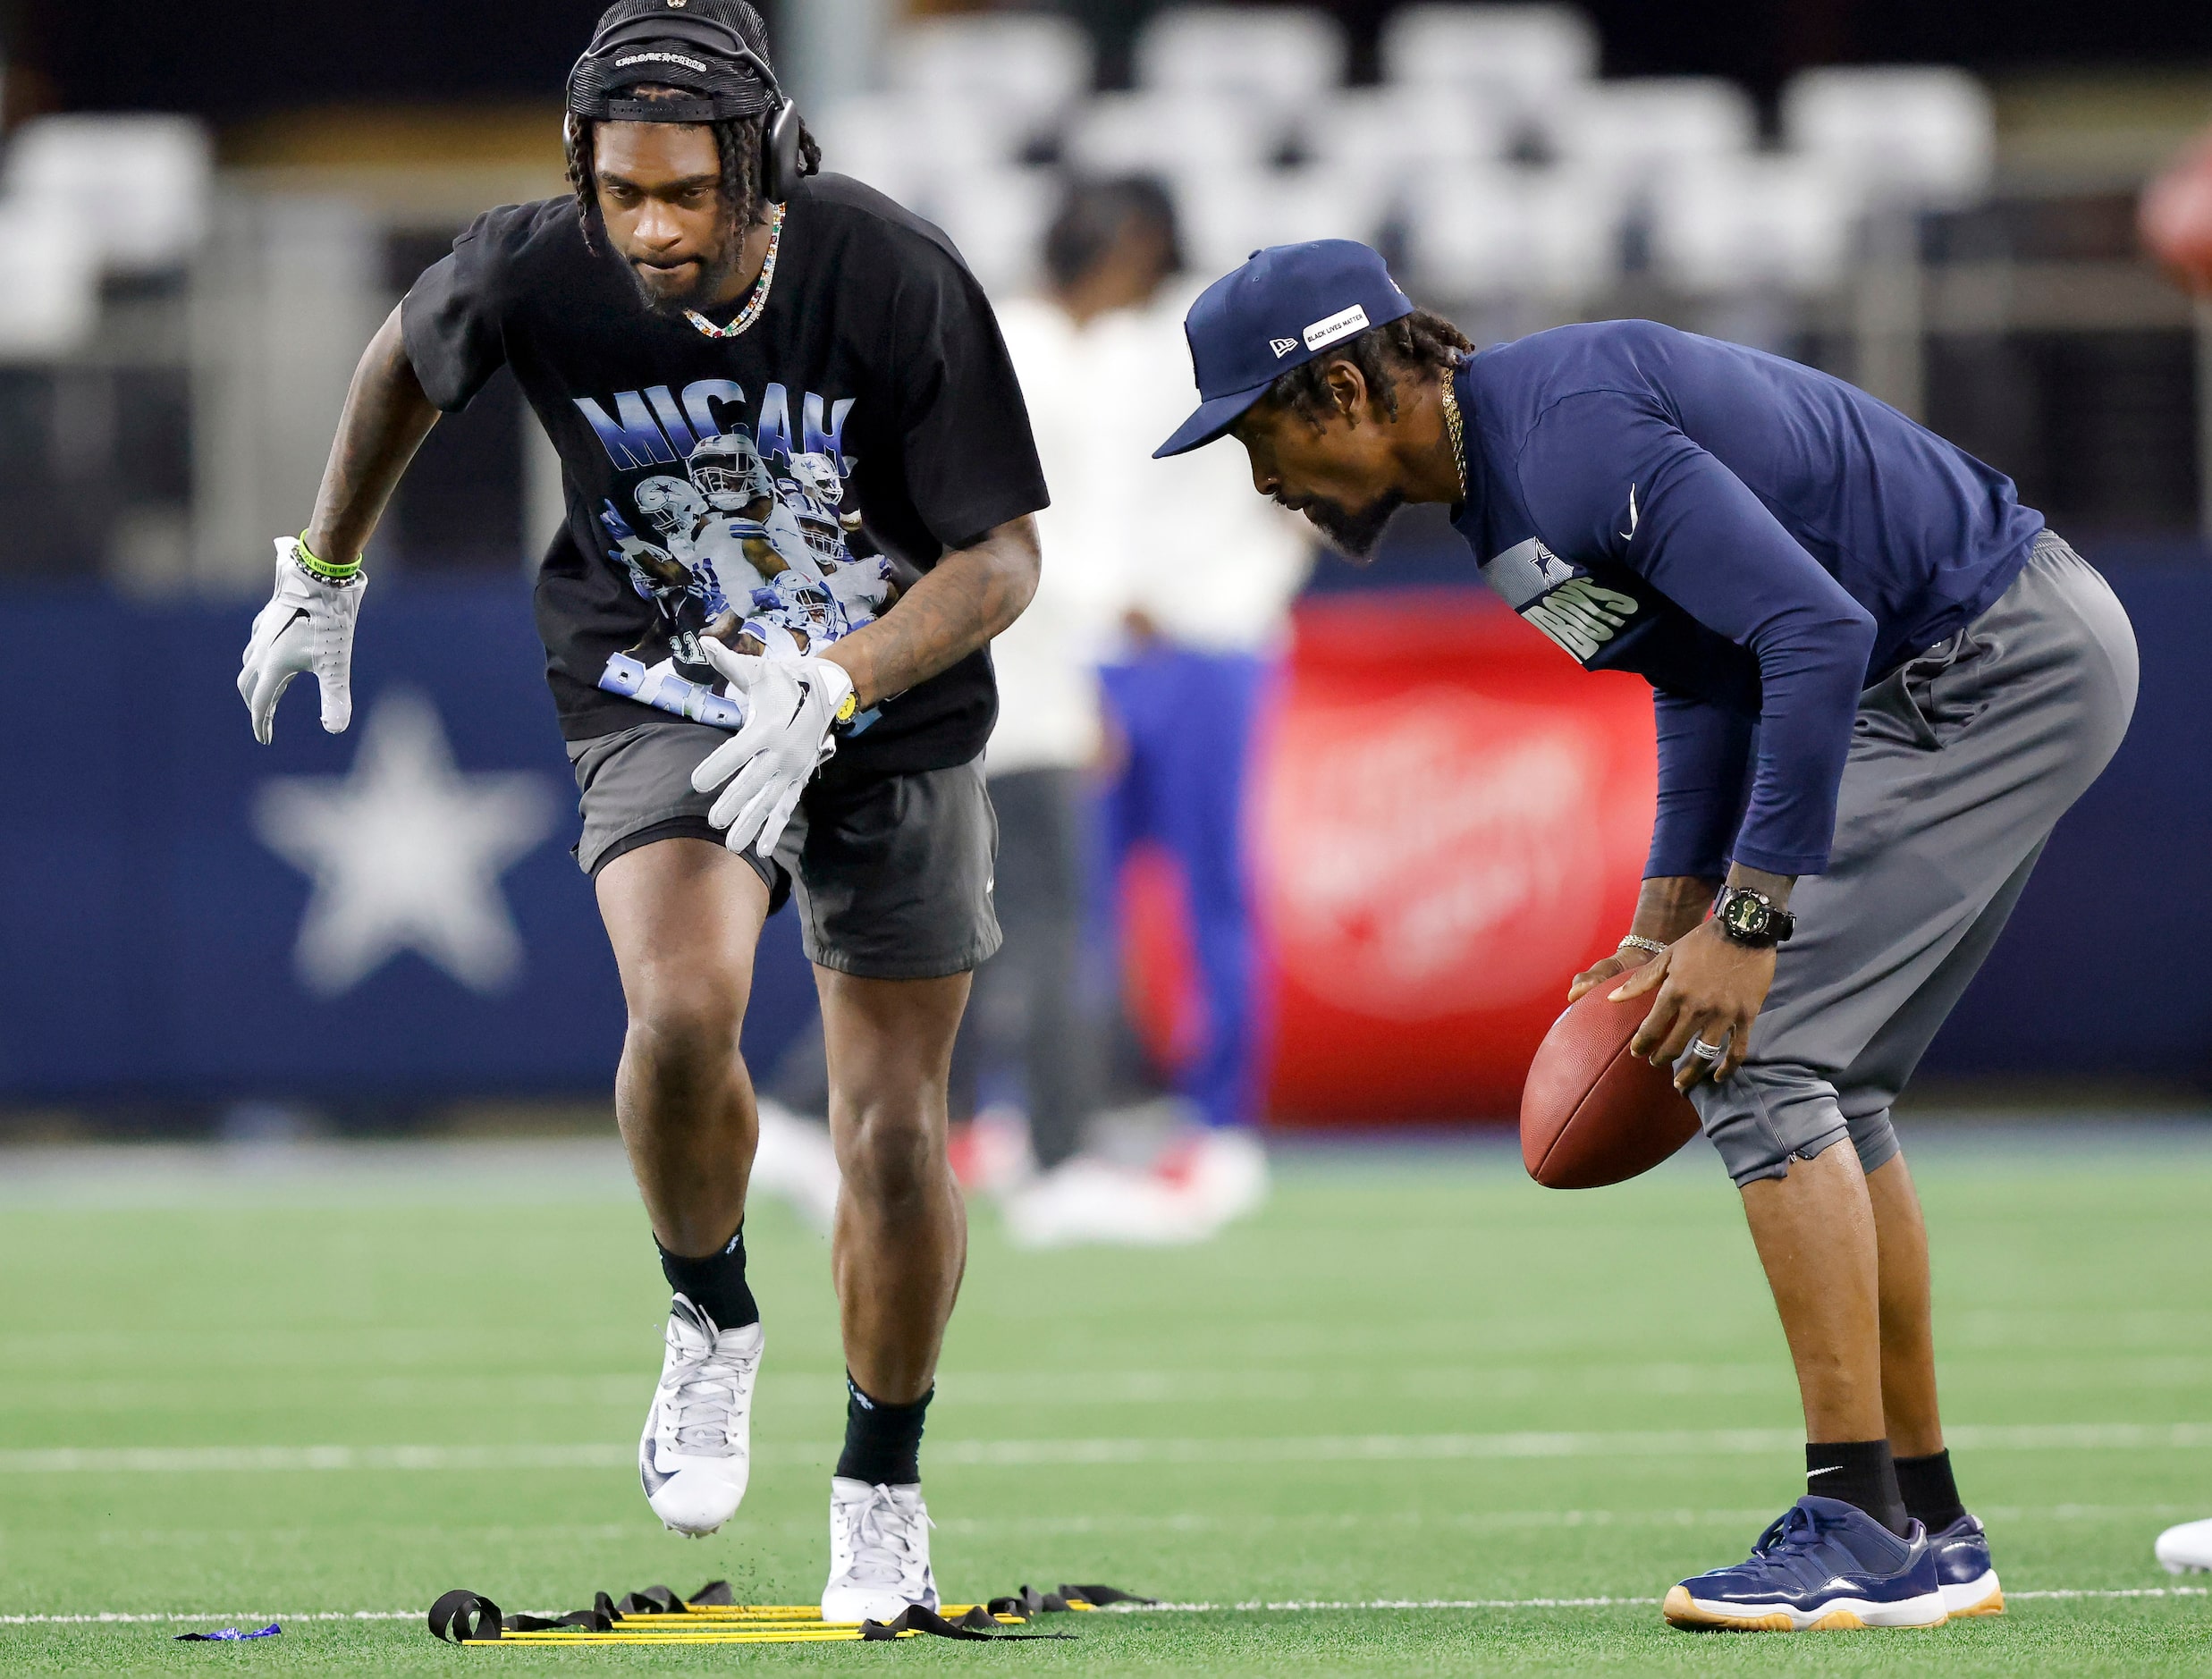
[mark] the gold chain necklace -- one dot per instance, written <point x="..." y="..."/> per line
<point x="759" y="299"/>
<point x="1459" y="435"/>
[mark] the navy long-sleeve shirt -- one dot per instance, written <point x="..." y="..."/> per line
<point x="1758" y="540"/>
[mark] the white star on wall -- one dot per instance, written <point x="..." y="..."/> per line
<point x="405" y="852"/>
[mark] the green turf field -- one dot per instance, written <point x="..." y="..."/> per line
<point x="1414" y="1378"/>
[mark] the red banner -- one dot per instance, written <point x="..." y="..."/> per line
<point x="1449" y="820"/>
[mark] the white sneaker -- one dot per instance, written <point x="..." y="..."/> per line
<point x="879" y="1552"/>
<point x="990" y="1153"/>
<point x="696" y="1452"/>
<point x="794" y="1160"/>
<point x="1223" y="1171"/>
<point x="1086" y="1200"/>
<point x="2186" y="1549"/>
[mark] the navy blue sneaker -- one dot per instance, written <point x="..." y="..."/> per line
<point x="1824" y="1565"/>
<point x="1962" y="1564"/>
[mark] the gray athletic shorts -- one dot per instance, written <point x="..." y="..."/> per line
<point x="892" y="872"/>
<point x="1962" y="761"/>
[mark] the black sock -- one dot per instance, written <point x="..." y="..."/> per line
<point x="715" y="1285"/>
<point x="1930" y="1496"/>
<point x="882" y="1442"/>
<point x="1859" y="1472"/>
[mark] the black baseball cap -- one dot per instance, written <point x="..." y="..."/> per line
<point x="1286" y="306"/>
<point x="713" y="52"/>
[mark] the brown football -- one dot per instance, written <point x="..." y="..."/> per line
<point x="1591" y="1112"/>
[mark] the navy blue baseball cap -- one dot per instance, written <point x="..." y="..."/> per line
<point x="1286" y="306"/>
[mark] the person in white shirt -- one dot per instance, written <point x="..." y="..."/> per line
<point x="1037" y="1018"/>
<point x="1153" y="637"/>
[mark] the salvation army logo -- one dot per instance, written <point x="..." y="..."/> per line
<point x="1433" y="855"/>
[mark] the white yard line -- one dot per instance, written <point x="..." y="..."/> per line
<point x="1302" y="1606"/>
<point x="1638" y="1443"/>
<point x="1027" y="1453"/>
<point x="165" y="1460"/>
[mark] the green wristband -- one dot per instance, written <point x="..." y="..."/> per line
<point x="323" y="569"/>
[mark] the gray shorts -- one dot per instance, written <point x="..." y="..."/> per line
<point x="892" y="872"/>
<point x="1962" y="762"/>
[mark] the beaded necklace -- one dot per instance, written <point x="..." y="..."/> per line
<point x="759" y="299"/>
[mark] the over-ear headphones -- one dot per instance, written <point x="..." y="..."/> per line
<point x="779" y="167"/>
<point x="703" y="56"/>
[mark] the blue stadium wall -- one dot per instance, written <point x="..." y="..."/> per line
<point x="152" y="930"/>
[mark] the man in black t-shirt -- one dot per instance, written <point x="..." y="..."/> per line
<point x="800" y="480"/>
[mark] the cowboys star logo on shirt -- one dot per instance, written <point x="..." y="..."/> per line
<point x="1559" y="598"/>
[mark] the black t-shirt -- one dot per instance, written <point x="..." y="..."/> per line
<point x="780" y="486"/>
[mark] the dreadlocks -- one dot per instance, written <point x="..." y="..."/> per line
<point x="737" y="142"/>
<point x="1386" y="356"/>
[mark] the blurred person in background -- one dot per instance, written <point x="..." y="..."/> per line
<point x="1155" y="639"/>
<point x="731" y="351"/>
<point x="1036" y="1027"/>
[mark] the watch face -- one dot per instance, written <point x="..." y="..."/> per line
<point x="1746" y="915"/>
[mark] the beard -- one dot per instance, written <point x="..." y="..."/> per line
<point x="714" y="275"/>
<point x="1354" y="533"/>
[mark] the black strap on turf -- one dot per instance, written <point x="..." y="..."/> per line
<point x="1098" y="1597"/>
<point x="969" y="1628"/>
<point x="715" y="1594"/>
<point x="651" y="1601"/>
<point x="574" y="1621"/>
<point x="465" y="1617"/>
<point x="1030" y="1601"/>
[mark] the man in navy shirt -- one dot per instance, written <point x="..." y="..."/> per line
<point x="1878" y="682"/>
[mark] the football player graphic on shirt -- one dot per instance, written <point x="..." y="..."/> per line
<point x="748" y="520"/>
<point x="753" y="521"/>
<point x="814" y="490"/>
<point x="673" y="510"/>
<point x="686" y="593"/>
<point x="753" y="554"/>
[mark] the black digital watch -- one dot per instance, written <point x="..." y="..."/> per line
<point x="1750" y="919"/>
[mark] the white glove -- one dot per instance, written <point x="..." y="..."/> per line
<point x="791" y="708"/>
<point x="307" y="625"/>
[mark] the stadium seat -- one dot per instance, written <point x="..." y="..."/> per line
<point x="1514" y="57"/>
<point x="1225" y="216"/>
<point x="1168" y="134"/>
<point x="1028" y="64"/>
<point x="140" y="182"/>
<point x="1635" y="129"/>
<point x="1924" y="133"/>
<point x="1498" y="231"/>
<point x="1280" y="59"/>
<point x="898" y="142"/>
<point x="996" y="217"/>
<point x="1393" y="136"/>
<point x="1730" y="225"/>
<point x="49" y="279"/>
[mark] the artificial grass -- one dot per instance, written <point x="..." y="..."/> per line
<point x="1414" y="1377"/>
